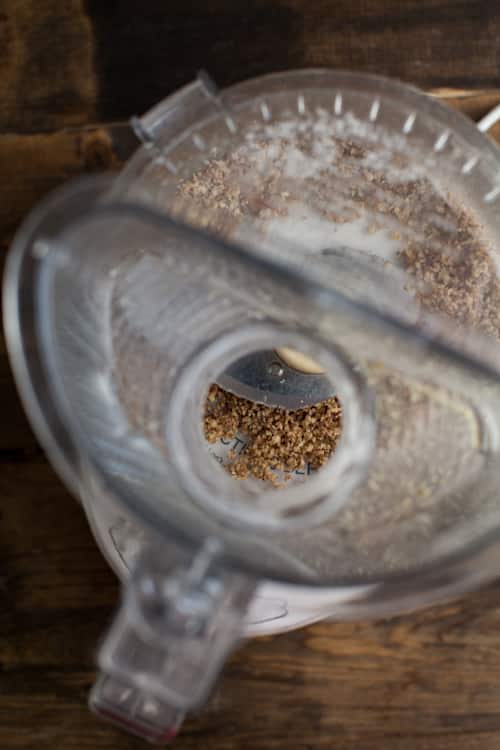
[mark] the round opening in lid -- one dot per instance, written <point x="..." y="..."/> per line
<point x="275" y="467"/>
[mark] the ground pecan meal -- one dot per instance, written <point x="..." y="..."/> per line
<point x="435" y="243"/>
<point x="277" y="440"/>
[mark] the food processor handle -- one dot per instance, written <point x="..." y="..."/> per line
<point x="176" y="625"/>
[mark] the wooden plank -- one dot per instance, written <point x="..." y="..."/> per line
<point x="75" y="62"/>
<point x="473" y="103"/>
<point x="33" y="164"/>
<point x="427" y="42"/>
<point x="47" y="78"/>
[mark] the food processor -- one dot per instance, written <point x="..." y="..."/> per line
<point x="298" y="237"/>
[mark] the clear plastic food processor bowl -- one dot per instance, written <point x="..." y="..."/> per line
<point x="348" y="218"/>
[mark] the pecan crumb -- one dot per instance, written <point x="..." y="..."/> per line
<point x="278" y="439"/>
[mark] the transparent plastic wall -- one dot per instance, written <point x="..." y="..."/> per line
<point x="143" y="315"/>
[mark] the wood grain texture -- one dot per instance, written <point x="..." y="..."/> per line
<point x="428" y="42"/>
<point x="70" y="75"/>
<point x="33" y="164"/>
<point x="46" y="61"/>
<point x="68" y="63"/>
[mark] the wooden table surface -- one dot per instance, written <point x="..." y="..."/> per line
<point x="71" y="72"/>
